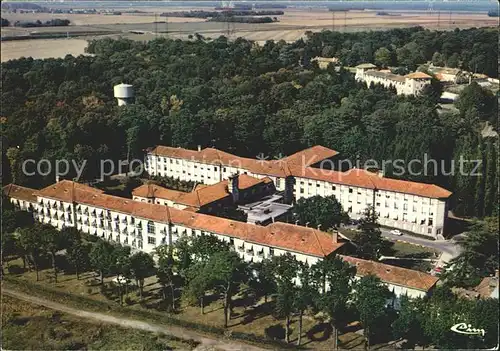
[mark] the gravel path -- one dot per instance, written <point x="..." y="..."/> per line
<point x="206" y="343"/>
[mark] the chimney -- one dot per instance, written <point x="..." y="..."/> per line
<point x="199" y="147"/>
<point x="233" y="187"/>
<point x="307" y="224"/>
<point x="335" y="237"/>
<point x="297" y="222"/>
<point x="319" y="227"/>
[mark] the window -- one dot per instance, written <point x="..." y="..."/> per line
<point x="334" y="187"/>
<point x="278" y="182"/>
<point x="151" y="240"/>
<point x="350" y="191"/>
<point x="438" y="231"/>
<point x="430" y="221"/>
<point x="301" y="190"/>
<point x="151" y="227"/>
<point x="429" y="231"/>
<point x="224" y="169"/>
<point x="317" y="185"/>
<point x="271" y="251"/>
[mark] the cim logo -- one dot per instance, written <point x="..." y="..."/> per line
<point x="464" y="328"/>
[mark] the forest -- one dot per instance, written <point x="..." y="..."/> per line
<point x="248" y="99"/>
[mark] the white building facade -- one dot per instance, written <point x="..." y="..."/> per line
<point x="411" y="84"/>
<point x="415" y="207"/>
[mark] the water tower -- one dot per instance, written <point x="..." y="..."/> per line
<point x="124" y="93"/>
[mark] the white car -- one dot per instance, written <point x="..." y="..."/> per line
<point x="396" y="232"/>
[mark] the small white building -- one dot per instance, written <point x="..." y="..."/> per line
<point x="411" y="84"/>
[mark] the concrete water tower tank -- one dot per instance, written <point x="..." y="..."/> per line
<point x="124" y="93"/>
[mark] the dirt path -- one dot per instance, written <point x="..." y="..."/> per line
<point x="206" y="343"/>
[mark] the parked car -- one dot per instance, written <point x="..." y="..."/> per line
<point x="396" y="232"/>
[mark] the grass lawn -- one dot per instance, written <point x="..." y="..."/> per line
<point x="30" y="327"/>
<point x="258" y="319"/>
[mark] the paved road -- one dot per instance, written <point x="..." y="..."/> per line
<point x="206" y="343"/>
<point x="448" y="248"/>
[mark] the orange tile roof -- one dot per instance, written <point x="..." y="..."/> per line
<point x="19" y="192"/>
<point x="392" y="274"/>
<point x="156" y="191"/>
<point x="292" y="166"/>
<point x="202" y="195"/>
<point x="310" y="156"/>
<point x="280" y="235"/>
<point x="369" y="180"/>
<point x="418" y="75"/>
<point x="66" y="190"/>
<point x="217" y="157"/>
<point x="321" y="243"/>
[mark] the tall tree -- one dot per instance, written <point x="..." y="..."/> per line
<point x="30" y="245"/>
<point x="228" y="271"/>
<point x="286" y="272"/>
<point x="78" y="256"/>
<point x="101" y="258"/>
<point x="315" y="211"/>
<point x="305" y="295"/>
<point x="165" y="272"/>
<point x="370" y="298"/>
<point x="333" y="279"/>
<point x="368" y="239"/>
<point x="142" y="266"/>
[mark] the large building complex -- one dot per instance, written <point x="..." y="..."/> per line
<point x="144" y="226"/>
<point x="411" y="84"/>
<point x="416" y="207"/>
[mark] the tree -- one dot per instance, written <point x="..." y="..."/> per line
<point x="165" y="272"/>
<point x="479" y="255"/>
<point x="315" y="211"/>
<point x="304" y="296"/>
<point x="383" y="57"/>
<point x="479" y="99"/>
<point x="52" y="241"/>
<point x="122" y="267"/>
<point x="263" y="282"/>
<point x="228" y="271"/>
<point x="368" y="239"/>
<point x="203" y="247"/>
<point x="332" y="277"/>
<point x="142" y="266"/>
<point x="8" y="247"/>
<point x="199" y="281"/>
<point x="4" y="22"/>
<point x="101" y="258"/>
<point x="370" y="298"/>
<point x="286" y="272"/>
<point x="409" y="323"/>
<point x="30" y="244"/>
<point x="438" y="59"/>
<point x="78" y="256"/>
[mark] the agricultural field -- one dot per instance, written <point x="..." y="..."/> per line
<point x="290" y="27"/>
<point x="42" y="48"/>
<point x="26" y="326"/>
